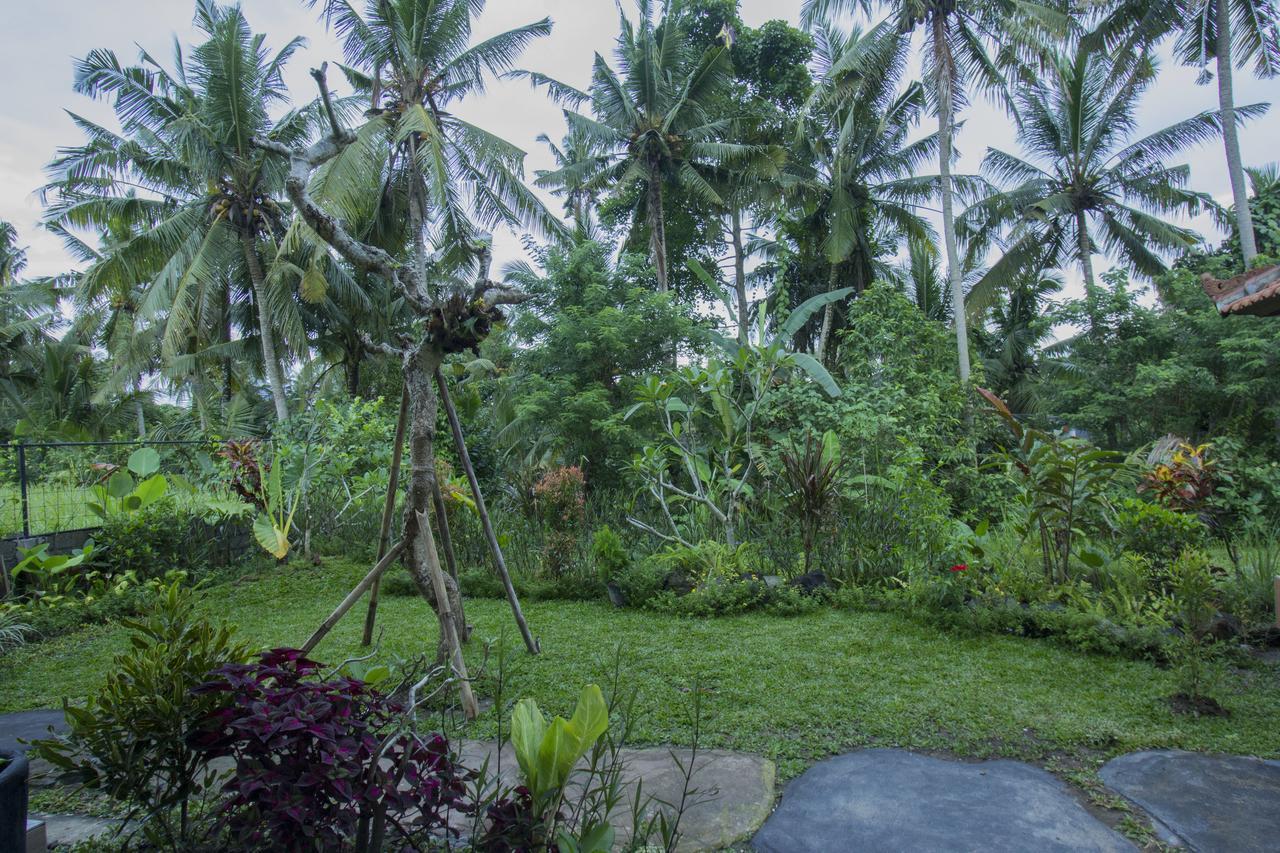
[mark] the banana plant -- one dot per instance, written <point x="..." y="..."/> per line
<point x="122" y="493"/>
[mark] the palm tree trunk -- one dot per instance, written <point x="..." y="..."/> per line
<point x="271" y="365"/>
<point x="1226" y="102"/>
<point x="1086" y="251"/>
<point x="740" y="274"/>
<point x="657" y="228"/>
<point x="946" y="109"/>
<point x="828" y="315"/>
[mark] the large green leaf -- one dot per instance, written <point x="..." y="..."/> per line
<point x="817" y="372"/>
<point x="527" y="729"/>
<point x="144" y="461"/>
<point x="270" y="537"/>
<point x="151" y="490"/>
<point x="119" y="485"/>
<point x="808" y="308"/>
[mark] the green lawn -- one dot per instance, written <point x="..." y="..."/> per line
<point x="795" y="689"/>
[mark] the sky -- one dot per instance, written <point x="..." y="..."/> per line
<point x="42" y="40"/>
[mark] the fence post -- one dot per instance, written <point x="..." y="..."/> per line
<point x="22" y="491"/>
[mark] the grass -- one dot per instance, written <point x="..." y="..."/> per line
<point x="794" y="689"/>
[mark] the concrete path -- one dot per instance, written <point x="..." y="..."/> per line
<point x="894" y="800"/>
<point x="734" y="790"/>
<point x="1210" y="803"/>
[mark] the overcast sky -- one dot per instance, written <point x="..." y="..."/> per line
<point x="41" y="40"/>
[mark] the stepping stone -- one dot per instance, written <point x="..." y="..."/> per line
<point x="29" y="725"/>
<point x="734" y="790"/>
<point x="894" y="800"/>
<point x="1209" y="802"/>
<point x="71" y="829"/>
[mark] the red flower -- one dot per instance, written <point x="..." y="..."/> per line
<point x="960" y="567"/>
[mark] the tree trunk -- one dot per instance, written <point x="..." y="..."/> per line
<point x="419" y="544"/>
<point x="946" y="109"/>
<point x="740" y="275"/>
<point x="352" y="367"/>
<point x="657" y="228"/>
<point x="270" y="364"/>
<point x="828" y="315"/>
<point x="1226" y="102"/>
<point x="1085" y="249"/>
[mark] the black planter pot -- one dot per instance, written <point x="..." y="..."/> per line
<point x="13" y="801"/>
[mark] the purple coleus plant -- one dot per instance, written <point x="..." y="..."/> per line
<point x="320" y="762"/>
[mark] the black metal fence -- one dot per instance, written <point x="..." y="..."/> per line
<point x="46" y="488"/>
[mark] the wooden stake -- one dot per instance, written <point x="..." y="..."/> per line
<point x="426" y="540"/>
<point x="442" y="522"/>
<point x="352" y="597"/>
<point x="500" y="564"/>
<point x="1277" y="588"/>
<point x="388" y="513"/>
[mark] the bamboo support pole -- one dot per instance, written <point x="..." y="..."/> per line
<point x="499" y="562"/>
<point x="388" y="513"/>
<point x="451" y="559"/>
<point x="427" y="541"/>
<point x="352" y="597"/>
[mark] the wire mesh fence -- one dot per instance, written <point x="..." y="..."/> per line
<point x="48" y="487"/>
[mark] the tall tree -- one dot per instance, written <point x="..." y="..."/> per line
<point x="206" y="211"/>
<point x="1086" y="183"/>
<point x="655" y="119"/>
<point x="956" y="38"/>
<point x="1232" y="33"/>
<point x="853" y="165"/>
<point x="1226" y="34"/>
<point x="413" y="59"/>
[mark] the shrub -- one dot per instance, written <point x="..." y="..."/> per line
<point x="608" y="555"/>
<point x="319" y="764"/>
<point x="155" y="540"/>
<point x="1154" y="531"/>
<point x="130" y="739"/>
<point x="642" y="580"/>
<point x="1194" y="658"/>
<point x="560" y="496"/>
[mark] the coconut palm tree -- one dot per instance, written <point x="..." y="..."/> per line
<point x="1012" y="341"/>
<point x="1085" y="183"/>
<point x="852" y="164"/>
<point x="445" y="178"/>
<point x="1226" y="34"/>
<point x="655" y="120"/>
<point x="921" y="276"/>
<point x="201" y="203"/>
<point x="1232" y="33"/>
<point x="956" y="36"/>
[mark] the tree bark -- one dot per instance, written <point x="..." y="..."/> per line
<point x="419" y="543"/>
<point x="270" y="364"/>
<point x="1085" y="249"/>
<point x="388" y="512"/>
<point x="946" y="110"/>
<point x="657" y="228"/>
<point x="740" y="275"/>
<point x="1230" y="136"/>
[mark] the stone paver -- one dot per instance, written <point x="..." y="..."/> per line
<point x="71" y="829"/>
<point x="735" y="790"/>
<point x="894" y="800"/>
<point x="29" y="725"/>
<point x="1212" y="803"/>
